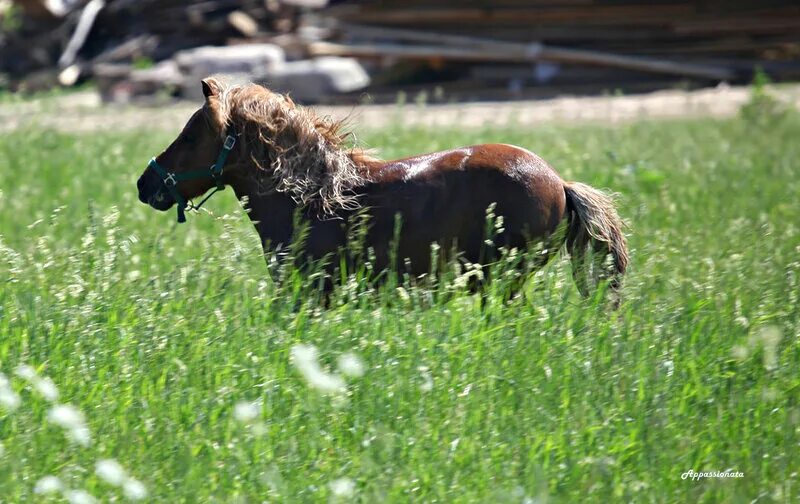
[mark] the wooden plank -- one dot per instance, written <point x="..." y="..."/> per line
<point x="85" y="23"/>
<point x="590" y="15"/>
<point x="751" y="25"/>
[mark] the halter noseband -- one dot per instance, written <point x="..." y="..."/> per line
<point x="171" y="179"/>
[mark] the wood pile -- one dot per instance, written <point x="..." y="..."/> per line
<point x="445" y="50"/>
<point x="495" y="49"/>
<point x="45" y="40"/>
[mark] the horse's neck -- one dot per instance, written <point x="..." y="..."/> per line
<point x="272" y="214"/>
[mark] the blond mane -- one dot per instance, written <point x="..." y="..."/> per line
<point x="303" y="154"/>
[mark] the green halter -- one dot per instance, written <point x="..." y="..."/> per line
<point x="171" y="179"/>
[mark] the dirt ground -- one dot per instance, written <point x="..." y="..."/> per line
<point x="83" y="111"/>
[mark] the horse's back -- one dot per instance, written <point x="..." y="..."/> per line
<point x="444" y="196"/>
<point x="481" y="174"/>
<point x="505" y="158"/>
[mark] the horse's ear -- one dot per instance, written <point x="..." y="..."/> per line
<point x="288" y="100"/>
<point x="211" y="90"/>
<point x="211" y="87"/>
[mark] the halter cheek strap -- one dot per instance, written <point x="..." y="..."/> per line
<point x="171" y="179"/>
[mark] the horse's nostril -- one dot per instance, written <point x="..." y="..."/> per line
<point x="141" y="186"/>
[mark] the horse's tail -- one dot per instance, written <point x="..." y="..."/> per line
<point x="594" y="228"/>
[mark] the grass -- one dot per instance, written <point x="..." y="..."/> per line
<point x="157" y="331"/>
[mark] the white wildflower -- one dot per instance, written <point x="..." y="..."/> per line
<point x="79" y="497"/>
<point x="246" y="411"/>
<point x="47" y="485"/>
<point x="259" y="429"/>
<point x="670" y="367"/>
<point x="70" y="418"/>
<point x="66" y="416"/>
<point x="427" y="380"/>
<point x="9" y="399"/>
<point x="134" y="489"/>
<point x="110" y="471"/>
<point x="304" y="358"/>
<point x="41" y="384"/>
<point x="770" y="339"/>
<point x="740" y="352"/>
<point x="80" y="435"/>
<point x="46" y="388"/>
<point x="342" y="487"/>
<point x="403" y="294"/>
<point x="351" y="365"/>
<point x="26" y="372"/>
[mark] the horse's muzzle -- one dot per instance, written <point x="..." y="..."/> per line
<point x="153" y="192"/>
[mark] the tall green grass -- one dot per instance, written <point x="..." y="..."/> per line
<point x="156" y="332"/>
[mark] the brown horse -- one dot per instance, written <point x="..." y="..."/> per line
<point x="282" y="159"/>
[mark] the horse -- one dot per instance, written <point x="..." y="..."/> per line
<point x="283" y="160"/>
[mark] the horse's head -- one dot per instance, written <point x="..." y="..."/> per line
<point x="290" y="150"/>
<point x="194" y="162"/>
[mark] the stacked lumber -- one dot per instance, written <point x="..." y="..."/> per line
<point x="492" y="49"/>
<point x="445" y="50"/>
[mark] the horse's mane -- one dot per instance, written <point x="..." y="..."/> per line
<point x="304" y="155"/>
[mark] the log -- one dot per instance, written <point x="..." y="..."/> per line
<point x="244" y="23"/>
<point x="141" y="44"/>
<point x="522" y="53"/>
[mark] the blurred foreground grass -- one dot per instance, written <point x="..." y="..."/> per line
<point x="156" y="332"/>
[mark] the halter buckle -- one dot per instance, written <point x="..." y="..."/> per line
<point x="170" y="180"/>
<point x="230" y="141"/>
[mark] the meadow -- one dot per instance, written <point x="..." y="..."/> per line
<point x="208" y="380"/>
